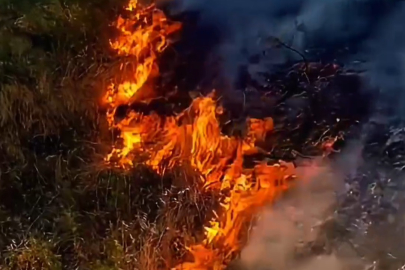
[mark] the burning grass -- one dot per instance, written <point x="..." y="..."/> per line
<point x="57" y="208"/>
<point x="192" y="138"/>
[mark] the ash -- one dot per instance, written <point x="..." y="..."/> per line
<point x="371" y="206"/>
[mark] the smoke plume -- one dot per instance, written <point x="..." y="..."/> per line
<point x="362" y="34"/>
<point x="293" y="222"/>
<point x="290" y="234"/>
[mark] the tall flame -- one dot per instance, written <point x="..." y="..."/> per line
<point x="142" y="37"/>
<point x="192" y="138"/>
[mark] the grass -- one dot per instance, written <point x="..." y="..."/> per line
<point x="58" y="208"/>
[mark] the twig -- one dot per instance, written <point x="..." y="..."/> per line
<point x="277" y="41"/>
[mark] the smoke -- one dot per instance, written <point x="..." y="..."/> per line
<point x="323" y="223"/>
<point x="288" y="234"/>
<point x="348" y="31"/>
<point x="384" y="57"/>
<point x="293" y="223"/>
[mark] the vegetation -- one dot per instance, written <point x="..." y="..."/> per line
<point x="58" y="208"/>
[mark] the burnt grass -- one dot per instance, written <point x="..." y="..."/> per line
<point x="61" y="207"/>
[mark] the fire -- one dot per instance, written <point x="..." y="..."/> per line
<point x="142" y="36"/>
<point x="192" y="138"/>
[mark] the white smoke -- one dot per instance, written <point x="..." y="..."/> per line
<point x="286" y="229"/>
<point x="294" y="221"/>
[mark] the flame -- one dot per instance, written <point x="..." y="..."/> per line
<point x="191" y="138"/>
<point x="142" y="37"/>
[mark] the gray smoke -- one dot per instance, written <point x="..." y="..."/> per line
<point x="365" y="31"/>
<point x="384" y="55"/>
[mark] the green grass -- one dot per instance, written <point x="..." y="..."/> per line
<point x="59" y="208"/>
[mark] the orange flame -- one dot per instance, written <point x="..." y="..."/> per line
<point x="142" y="36"/>
<point x="193" y="138"/>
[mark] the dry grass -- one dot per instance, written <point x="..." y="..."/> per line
<point x="58" y="209"/>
